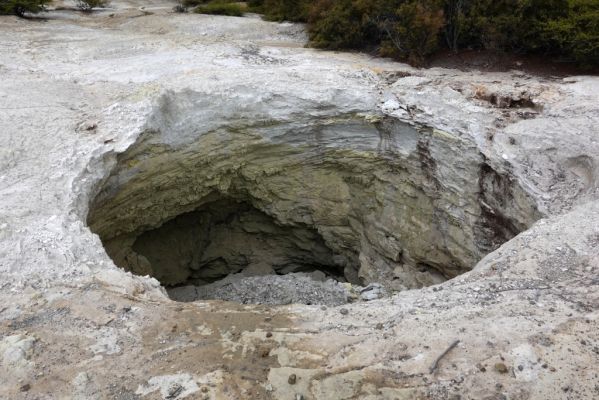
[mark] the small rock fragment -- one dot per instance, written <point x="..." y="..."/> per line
<point x="501" y="368"/>
<point x="88" y="126"/>
<point x="344" y="311"/>
<point x="174" y="390"/>
<point x="372" y="292"/>
<point x="292" y="379"/>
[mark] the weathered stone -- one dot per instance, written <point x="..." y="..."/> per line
<point x="376" y="208"/>
<point x="372" y="292"/>
<point x="501" y="368"/>
<point x="294" y="288"/>
<point x="398" y="170"/>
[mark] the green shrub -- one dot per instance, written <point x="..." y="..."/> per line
<point x="284" y="10"/>
<point x="407" y="29"/>
<point x="575" y="35"/>
<point x="414" y="29"/>
<point x="338" y="24"/>
<point x="568" y="29"/>
<point x="414" y="33"/>
<point x="505" y="25"/>
<point x="192" y="3"/>
<point x="20" y="7"/>
<point x="221" y="8"/>
<point x="255" y="5"/>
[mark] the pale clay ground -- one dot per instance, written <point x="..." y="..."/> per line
<point x="72" y="325"/>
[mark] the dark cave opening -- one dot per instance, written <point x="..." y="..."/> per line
<point x="228" y="238"/>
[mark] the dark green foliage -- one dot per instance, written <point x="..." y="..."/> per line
<point x="220" y="7"/>
<point x="20" y="7"/>
<point x="575" y="35"/>
<point x="414" y="29"/>
<point x="191" y="3"/>
<point x="512" y="25"/>
<point x="407" y="29"/>
<point x="282" y="10"/>
<point x="255" y="4"/>
<point x="563" y="28"/>
<point x="414" y="33"/>
<point x="336" y="24"/>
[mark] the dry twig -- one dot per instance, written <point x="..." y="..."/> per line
<point x="447" y="350"/>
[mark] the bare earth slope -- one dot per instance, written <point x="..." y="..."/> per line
<point x="77" y="90"/>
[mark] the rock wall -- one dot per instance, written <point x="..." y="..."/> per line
<point x="401" y="204"/>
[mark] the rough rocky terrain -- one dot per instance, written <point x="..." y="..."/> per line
<point x="126" y="118"/>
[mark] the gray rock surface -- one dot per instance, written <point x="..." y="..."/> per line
<point x="293" y="288"/>
<point x="381" y="194"/>
<point x="159" y="86"/>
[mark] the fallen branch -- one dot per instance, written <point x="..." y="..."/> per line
<point x="447" y="350"/>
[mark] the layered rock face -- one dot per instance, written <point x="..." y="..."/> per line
<point x="364" y="197"/>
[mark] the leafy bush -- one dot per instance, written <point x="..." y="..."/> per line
<point x="221" y="8"/>
<point x="192" y="3"/>
<point x="511" y="25"/>
<point x="335" y="24"/>
<point x="414" y="29"/>
<point x="286" y="10"/>
<point x="414" y="34"/>
<point x="406" y="29"/>
<point x="88" y="5"/>
<point x="20" y="7"/>
<point x="575" y="35"/>
<point x="564" y="28"/>
<point x="255" y="5"/>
